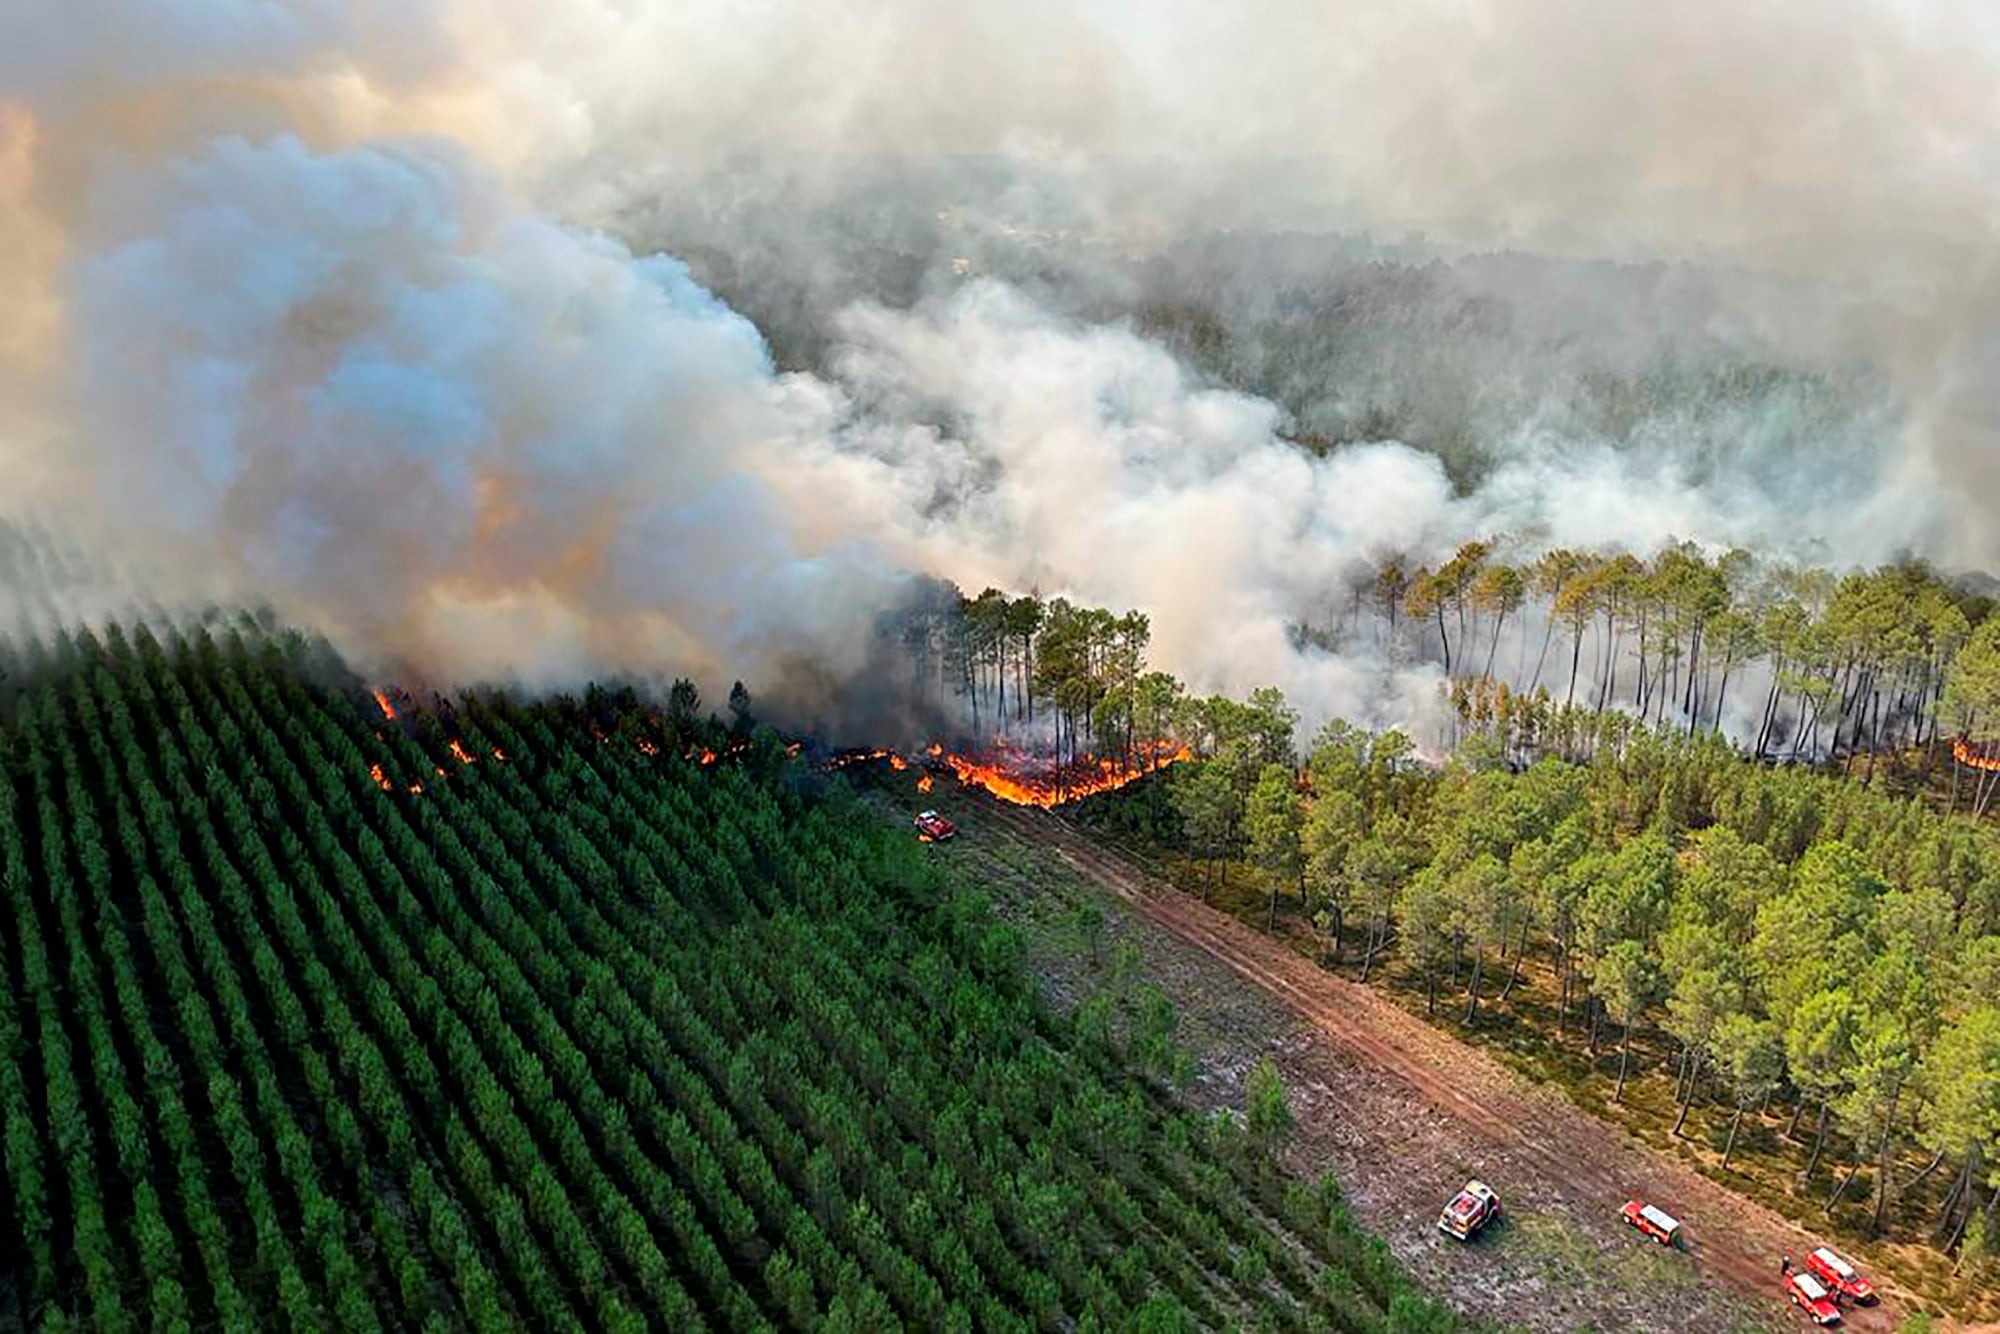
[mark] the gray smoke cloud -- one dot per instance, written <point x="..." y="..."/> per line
<point x="455" y="435"/>
<point x="354" y="310"/>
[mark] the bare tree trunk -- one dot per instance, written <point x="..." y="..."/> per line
<point x="1945" y="1233"/>
<point x="1624" y="1059"/>
<point x="1771" y="699"/>
<point x="1562" y="988"/>
<point x="1564" y="991"/>
<point x="1819" y="1143"/>
<point x="1730" y="1147"/>
<point x="1808" y="712"/>
<point x="1472" y="993"/>
<point x="1841" y="1189"/>
<point x="1520" y="948"/>
<point x="1882" y="1158"/>
<point x="1846" y="702"/>
<point x="1920" y="1177"/>
<point x="1610" y="661"/>
<point x="1875" y="736"/>
<point x="1639" y="684"/>
<point x="1687" y="1099"/>
<point x="1694" y="665"/>
<point x="1986" y="788"/>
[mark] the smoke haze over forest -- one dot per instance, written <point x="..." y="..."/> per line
<point x="511" y="340"/>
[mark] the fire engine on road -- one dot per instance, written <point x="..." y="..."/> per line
<point x="1809" y="1295"/>
<point x="1470" y="1210"/>
<point x="1839" y="1276"/>
<point x="1653" y="1222"/>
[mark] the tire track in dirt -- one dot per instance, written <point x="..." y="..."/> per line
<point x="1585" y="1161"/>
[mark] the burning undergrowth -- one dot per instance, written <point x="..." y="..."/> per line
<point x="1020" y="775"/>
<point x="1009" y="771"/>
<point x="1026" y="778"/>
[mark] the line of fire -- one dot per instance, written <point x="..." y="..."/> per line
<point x="1038" y="702"/>
<point x="1008" y="772"/>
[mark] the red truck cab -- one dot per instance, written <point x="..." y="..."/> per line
<point x="1839" y="1276"/>
<point x="1810" y="1295"/>
<point x="934" y="828"/>
<point x="1470" y="1210"/>
<point x="1653" y="1222"/>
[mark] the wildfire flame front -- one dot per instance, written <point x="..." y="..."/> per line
<point x="1972" y="756"/>
<point x="1026" y="779"/>
<point x="1019" y="780"/>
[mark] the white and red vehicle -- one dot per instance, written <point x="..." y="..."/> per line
<point x="1810" y="1295"/>
<point x="934" y="828"/>
<point x="1838" y="1274"/>
<point x="1470" y="1210"/>
<point x="1656" y="1223"/>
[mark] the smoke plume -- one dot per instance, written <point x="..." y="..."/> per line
<point x="517" y="341"/>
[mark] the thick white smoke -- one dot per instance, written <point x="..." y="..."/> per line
<point x="1014" y="449"/>
<point x="456" y="436"/>
<point x="299" y="303"/>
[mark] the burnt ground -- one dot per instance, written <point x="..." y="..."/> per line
<point x="1400" y="1113"/>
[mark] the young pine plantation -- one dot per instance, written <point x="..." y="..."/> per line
<point x="502" y="1017"/>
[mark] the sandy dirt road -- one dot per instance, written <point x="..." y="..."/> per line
<point x="1450" y="1099"/>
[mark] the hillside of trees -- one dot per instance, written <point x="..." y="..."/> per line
<point x="1823" y="665"/>
<point x="562" y="1016"/>
<point x="1809" y="945"/>
<point x="1805" y="959"/>
<point x="1551" y="655"/>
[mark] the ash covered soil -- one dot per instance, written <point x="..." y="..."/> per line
<point x="1399" y="1113"/>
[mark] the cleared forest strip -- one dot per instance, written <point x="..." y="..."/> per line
<point x="1583" y="1159"/>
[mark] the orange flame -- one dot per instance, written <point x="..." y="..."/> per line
<point x="1973" y="757"/>
<point x="499" y="754"/>
<point x="381" y="779"/>
<point x="897" y="762"/>
<point x="708" y="757"/>
<point x="459" y="752"/>
<point x="924" y="783"/>
<point x="382" y="702"/>
<point x="416" y="789"/>
<point x="647" y="746"/>
<point x="1054" y="785"/>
